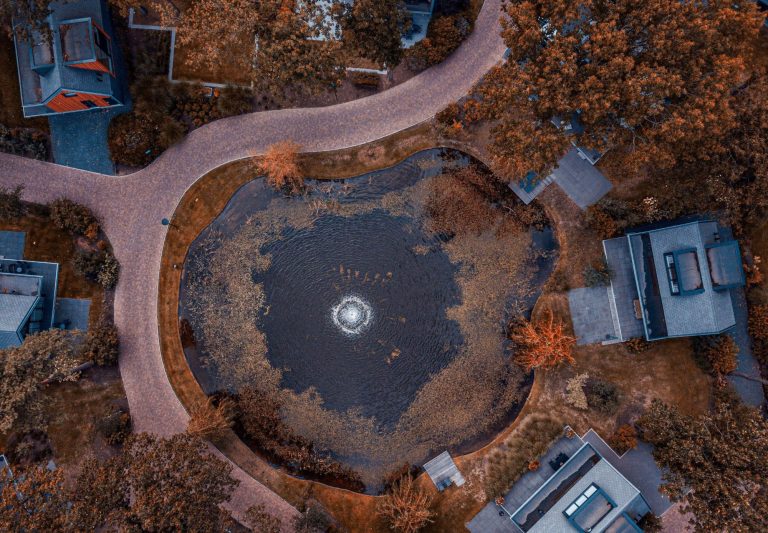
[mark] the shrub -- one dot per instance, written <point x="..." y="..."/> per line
<point x="235" y="101"/>
<point x="716" y="354"/>
<point x="207" y="420"/>
<point x="557" y="282"/>
<point x="597" y="274"/>
<point x="458" y="205"/>
<point x="574" y="391"/>
<point x="407" y="507"/>
<point x="102" y="344"/>
<point x="758" y="322"/>
<point x="132" y="139"/>
<point x="109" y="273"/>
<point x="28" y="448"/>
<point x="115" y="427"/>
<point x="11" y="206"/>
<point x="281" y="166"/>
<point x="602" y="396"/>
<point x="650" y="523"/>
<point x="100" y="266"/>
<point x="610" y="217"/>
<point x="25" y="142"/>
<point x="637" y="345"/>
<point x="258" y="414"/>
<point x="314" y="519"/>
<point x="72" y="217"/>
<point x="444" y="35"/>
<point x="624" y="439"/>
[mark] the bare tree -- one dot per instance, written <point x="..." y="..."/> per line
<point x="407" y="507"/>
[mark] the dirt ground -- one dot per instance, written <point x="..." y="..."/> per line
<point x="10" y="100"/>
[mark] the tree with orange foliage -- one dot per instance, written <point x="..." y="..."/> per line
<point x="624" y="439"/>
<point x="406" y="507"/>
<point x="543" y="344"/>
<point x="650" y="80"/>
<point x="281" y="166"/>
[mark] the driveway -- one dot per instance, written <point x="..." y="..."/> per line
<point x="80" y="139"/>
<point x="131" y="207"/>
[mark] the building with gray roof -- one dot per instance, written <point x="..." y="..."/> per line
<point x="443" y="472"/>
<point x="575" y="488"/>
<point x="66" y="63"/>
<point x="682" y="274"/>
<point x="27" y="299"/>
<point x="668" y="280"/>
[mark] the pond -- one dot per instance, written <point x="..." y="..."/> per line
<point x="380" y="341"/>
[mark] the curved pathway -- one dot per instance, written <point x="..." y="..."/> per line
<point x="132" y="206"/>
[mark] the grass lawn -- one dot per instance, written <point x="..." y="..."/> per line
<point x="75" y="408"/>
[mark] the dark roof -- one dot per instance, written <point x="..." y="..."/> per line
<point x="12" y="244"/>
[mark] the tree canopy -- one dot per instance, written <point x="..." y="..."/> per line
<point x="649" y="80"/>
<point x="543" y="344"/>
<point x="374" y="29"/>
<point x="43" y="357"/>
<point x="716" y="463"/>
<point x="156" y="484"/>
<point x="288" y="44"/>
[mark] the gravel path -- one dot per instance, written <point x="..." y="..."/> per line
<point x="132" y="206"/>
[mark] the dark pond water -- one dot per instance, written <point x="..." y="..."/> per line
<point x="355" y="305"/>
<point x="369" y="262"/>
<point x="385" y="265"/>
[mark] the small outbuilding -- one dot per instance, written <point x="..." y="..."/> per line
<point x="443" y="472"/>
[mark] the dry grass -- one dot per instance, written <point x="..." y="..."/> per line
<point x="74" y="409"/>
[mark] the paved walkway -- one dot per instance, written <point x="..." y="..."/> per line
<point x="132" y="207"/>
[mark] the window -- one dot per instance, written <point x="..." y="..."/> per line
<point x="69" y="95"/>
<point x="581" y="500"/>
<point x="89" y="104"/>
<point x="589" y="509"/>
<point x="669" y="262"/>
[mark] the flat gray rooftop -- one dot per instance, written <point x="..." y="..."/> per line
<point x="443" y="471"/>
<point x="12" y="244"/>
<point x="577" y="177"/>
<point x="493" y="519"/>
<point x="638" y="466"/>
<point x="50" y="274"/>
<point x="580" y="180"/>
<point x="591" y="315"/>
<point x="73" y="312"/>
<point x="623" y="288"/>
<point x="20" y="284"/>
